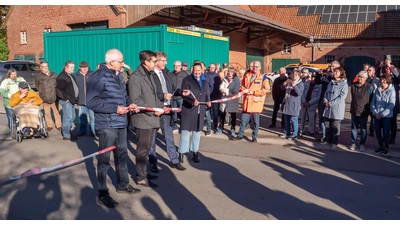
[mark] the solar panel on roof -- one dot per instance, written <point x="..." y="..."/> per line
<point x="311" y="10"/>
<point x="371" y="17"/>
<point x="334" y="18"/>
<point x="325" y="18"/>
<point x="319" y="9"/>
<point x="362" y="17"/>
<point x="372" y="8"/>
<point x="346" y="13"/>
<point x="302" y="10"/>
<point x="352" y="18"/>
<point x="362" y="8"/>
<point x="391" y="8"/>
<point x="343" y="17"/>
<point x="328" y="9"/>
<point x="336" y="9"/>
<point x="381" y="8"/>
<point x="354" y="8"/>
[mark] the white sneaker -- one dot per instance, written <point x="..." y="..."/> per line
<point x="362" y="148"/>
<point x="352" y="147"/>
<point x="334" y="146"/>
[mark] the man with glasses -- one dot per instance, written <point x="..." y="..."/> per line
<point x="107" y="97"/>
<point x="45" y="83"/>
<point x="165" y="90"/>
<point x="142" y="91"/>
<point x="360" y="109"/>
<point x="256" y="87"/>
<point x="176" y="77"/>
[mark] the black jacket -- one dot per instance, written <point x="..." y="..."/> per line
<point x="65" y="89"/>
<point x="359" y="105"/>
<point x="277" y="93"/>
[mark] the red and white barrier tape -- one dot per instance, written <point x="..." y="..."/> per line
<point x="151" y="109"/>
<point x="36" y="171"/>
<point x="225" y="99"/>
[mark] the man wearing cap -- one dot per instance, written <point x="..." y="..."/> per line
<point x="45" y="83"/>
<point x="185" y="66"/>
<point x="67" y="92"/>
<point x="25" y="98"/>
<point x="81" y="77"/>
<point x="309" y="104"/>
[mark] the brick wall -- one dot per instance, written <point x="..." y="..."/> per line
<point x="34" y="19"/>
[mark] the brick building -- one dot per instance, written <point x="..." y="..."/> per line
<point x="275" y="35"/>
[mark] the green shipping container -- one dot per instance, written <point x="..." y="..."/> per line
<point x="91" y="46"/>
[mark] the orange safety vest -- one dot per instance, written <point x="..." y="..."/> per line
<point x="255" y="103"/>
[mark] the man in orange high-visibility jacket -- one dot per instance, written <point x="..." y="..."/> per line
<point x="255" y="87"/>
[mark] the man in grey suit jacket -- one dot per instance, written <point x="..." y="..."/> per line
<point x="142" y="91"/>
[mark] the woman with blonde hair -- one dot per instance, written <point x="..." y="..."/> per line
<point x="7" y="88"/>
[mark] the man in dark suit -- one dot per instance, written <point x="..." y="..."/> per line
<point x="164" y="92"/>
<point x="278" y="95"/>
<point x="142" y="91"/>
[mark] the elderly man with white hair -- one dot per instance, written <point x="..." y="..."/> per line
<point x="107" y="97"/>
<point x="360" y="109"/>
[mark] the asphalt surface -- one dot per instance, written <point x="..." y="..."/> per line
<point x="272" y="179"/>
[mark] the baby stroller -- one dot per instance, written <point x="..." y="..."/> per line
<point x="28" y="122"/>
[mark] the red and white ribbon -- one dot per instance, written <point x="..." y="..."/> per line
<point x="151" y="109"/>
<point x="225" y="99"/>
<point x="36" y="171"/>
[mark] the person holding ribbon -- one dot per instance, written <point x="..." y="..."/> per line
<point x="192" y="119"/>
<point x="255" y="86"/>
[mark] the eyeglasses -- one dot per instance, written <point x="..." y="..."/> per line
<point x="121" y="62"/>
<point x="164" y="60"/>
<point x="359" y="77"/>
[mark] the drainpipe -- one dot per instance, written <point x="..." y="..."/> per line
<point x="312" y="48"/>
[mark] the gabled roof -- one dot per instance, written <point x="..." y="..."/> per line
<point x="385" y="26"/>
<point x="243" y="13"/>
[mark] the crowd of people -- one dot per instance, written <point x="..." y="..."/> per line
<point x="112" y="98"/>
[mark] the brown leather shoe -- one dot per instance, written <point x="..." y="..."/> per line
<point x="71" y="138"/>
<point x="49" y="128"/>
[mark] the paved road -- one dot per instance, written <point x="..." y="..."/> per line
<point x="272" y="179"/>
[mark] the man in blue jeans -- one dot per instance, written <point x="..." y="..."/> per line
<point x="67" y="91"/>
<point x="214" y="81"/>
<point x="81" y="78"/>
<point x="108" y="98"/>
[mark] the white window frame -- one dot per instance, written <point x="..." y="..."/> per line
<point x="286" y="48"/>
<point x="48" y="30"/>
<point x="329" y="58"/>
<point x="24" y="39"/>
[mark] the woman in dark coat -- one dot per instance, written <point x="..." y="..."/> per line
<point x="192" y="115"/>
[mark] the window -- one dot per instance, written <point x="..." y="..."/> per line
<point x="286" y="48"/>
<point x="23" y="37"/>
<point x="30" y="57"/>
<point x="329" y="58"/>
<point x="41" y="57"/>
<point x="48" y="30"/>
<point x="89" y="25"/>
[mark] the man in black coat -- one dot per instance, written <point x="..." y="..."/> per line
<point x="67" y="92"/>
<point x="278" y="95"/>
